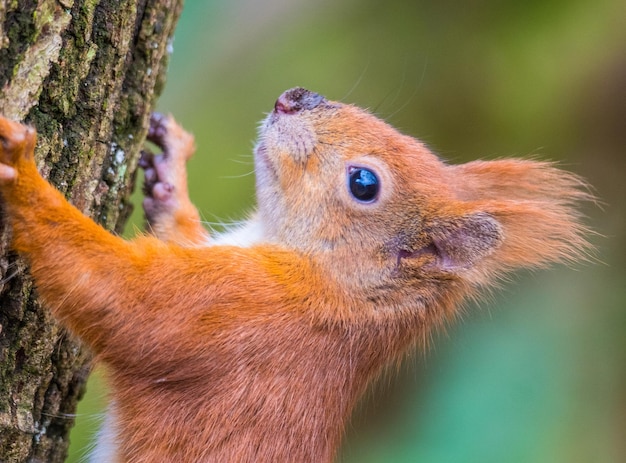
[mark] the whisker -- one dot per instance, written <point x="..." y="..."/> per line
<point x="416" y="88"/>
<point x="246" y="174"/>
<point x="358" y="81"/>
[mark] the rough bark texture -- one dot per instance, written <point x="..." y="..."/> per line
<point x="85" y="74"/>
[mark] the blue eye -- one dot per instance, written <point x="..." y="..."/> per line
<point x="363" y="184"/>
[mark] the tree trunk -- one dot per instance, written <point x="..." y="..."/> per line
<point x="85" y="73"/>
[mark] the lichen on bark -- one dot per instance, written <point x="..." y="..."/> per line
<point x="86" y="74"/>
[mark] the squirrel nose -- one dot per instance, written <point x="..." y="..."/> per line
<point x="296" y="100"/>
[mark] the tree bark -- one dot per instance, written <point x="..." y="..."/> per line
<point x="86" y="74"/>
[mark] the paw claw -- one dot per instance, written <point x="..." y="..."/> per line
<point x="157" y="131"/>
<point x="146" y="160"/>
<point x="150" y="176"/>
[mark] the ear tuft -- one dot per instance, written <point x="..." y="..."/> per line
<point x="537" y="206"/>
<point x="461" y="243"/>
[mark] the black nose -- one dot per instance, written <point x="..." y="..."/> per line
<point x="296" y="100"/>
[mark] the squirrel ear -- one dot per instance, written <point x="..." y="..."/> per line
<point x="460" y="243"/>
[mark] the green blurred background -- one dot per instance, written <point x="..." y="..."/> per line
<point x="538" y="372"/>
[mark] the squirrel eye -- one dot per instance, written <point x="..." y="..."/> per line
<point x="363" y="184"/>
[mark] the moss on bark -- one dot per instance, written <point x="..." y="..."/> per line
<point x="86" y="74"/>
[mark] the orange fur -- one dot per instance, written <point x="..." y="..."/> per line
<point x="259" y="352"/>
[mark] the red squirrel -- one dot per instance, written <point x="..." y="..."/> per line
<point x="254" y="345"/>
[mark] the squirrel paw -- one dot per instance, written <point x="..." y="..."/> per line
<point x="17" y="141"/>
<point x="165" y="184"/>
<point x="170" y="137"/>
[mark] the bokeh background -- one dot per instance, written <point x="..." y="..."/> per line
<point x="536" y="373"/>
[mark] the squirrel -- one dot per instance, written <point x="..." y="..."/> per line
<point x="254" y="345"/>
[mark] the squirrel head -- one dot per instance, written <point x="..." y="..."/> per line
<point x="384" y="214"/>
